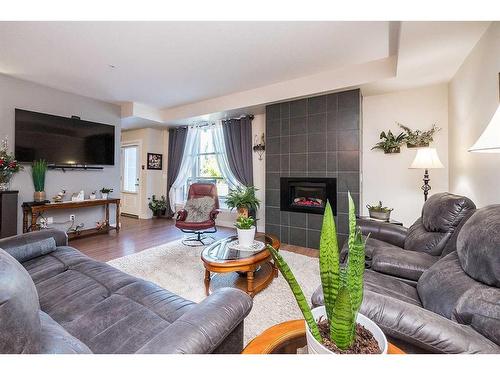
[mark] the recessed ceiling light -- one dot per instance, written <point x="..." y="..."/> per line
<point x="112" y="66"/>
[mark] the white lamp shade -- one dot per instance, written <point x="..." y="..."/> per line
<point x="489" y="141"/>
<point x="426" y="158"/>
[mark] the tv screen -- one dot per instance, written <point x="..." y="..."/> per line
<point x="63" y="140"/>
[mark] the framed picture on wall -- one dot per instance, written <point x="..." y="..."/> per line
<point x="155" y="161"/>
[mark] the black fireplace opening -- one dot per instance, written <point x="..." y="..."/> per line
<point x="308" y="194"/>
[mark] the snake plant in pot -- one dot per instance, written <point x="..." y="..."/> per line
<point x="38" y="170"/>
<point x="337" y="327"/>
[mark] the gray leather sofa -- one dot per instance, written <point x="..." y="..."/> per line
<point x="54" y="299"/>
<point x="406" y="253"/>
<point x="455" y="306"/>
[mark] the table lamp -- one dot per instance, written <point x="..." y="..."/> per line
<point x="426" y="158"/>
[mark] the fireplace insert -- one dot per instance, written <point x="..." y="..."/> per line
<point x="308" y="194"/>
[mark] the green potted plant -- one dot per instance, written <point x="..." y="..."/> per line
<point x="105" y="192"/>
<point x="390" y="143"/>
<point x="337" y="327"/>
<point x="38" y="170"/>
<point x="419" y="138"/>
<point x="243" y="199"/>
<point x="245" y="226"/>
<point x="158" y="206"/>
<point x="379" y="212"/>
<point x="8" y="166"/>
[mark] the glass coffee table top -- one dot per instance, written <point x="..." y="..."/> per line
<point x="219" y="252"/>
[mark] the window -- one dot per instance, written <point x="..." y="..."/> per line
<point x="206" y="167"/>
<point x="130" y="172"/>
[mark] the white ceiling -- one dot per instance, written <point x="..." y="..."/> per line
<point x="165" y="64"/>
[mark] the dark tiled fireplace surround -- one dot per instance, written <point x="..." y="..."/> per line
<point x="312" y="137"/>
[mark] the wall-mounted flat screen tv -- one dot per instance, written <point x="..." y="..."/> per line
<point x="62" y="140"/>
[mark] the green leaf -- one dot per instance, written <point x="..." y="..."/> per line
<point x="329" y="260"/>
<point x="356" y="259"/>
<point x="297" y="292"/>
<point x="341" y="326"/>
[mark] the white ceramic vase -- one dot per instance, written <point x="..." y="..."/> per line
<point x="314" y="347"/>
<point x="246" y="236"/>
<point x="104" y="195"/>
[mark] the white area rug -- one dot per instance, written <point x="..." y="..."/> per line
<point x="179" y="269"/>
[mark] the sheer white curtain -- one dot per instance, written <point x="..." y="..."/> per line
<point x="191" y="150"/>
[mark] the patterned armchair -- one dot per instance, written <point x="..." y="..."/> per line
<point x="199" y="214"/>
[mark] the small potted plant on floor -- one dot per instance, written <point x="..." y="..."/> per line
<point x="419" y="138"/>
<point x="243" y="199"/>
<point x="158" y="206"/>
<point x="337" y="327"/>
<point x="105" y="192"/>
<point x="245" y="226"/>
<point x="38" y="170"/>
<point x="379" y="212"/>
<point x="390" y="143"/>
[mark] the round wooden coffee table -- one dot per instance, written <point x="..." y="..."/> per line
<point x="287" y="338"/>
<point x="245" y="270"/>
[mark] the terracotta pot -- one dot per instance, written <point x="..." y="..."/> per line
<point x="314" y="347"/>
<point x="39" y="196"/>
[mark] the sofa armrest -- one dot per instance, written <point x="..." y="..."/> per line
<point x="401" y="263"/>
<point x="423" y="328"/>
<point x="203" y="328"/>
<point x="18" y="246"/>
<point x="214" y="213"/>
<point x="181" y="215"/>
<point x="391" y="233"/>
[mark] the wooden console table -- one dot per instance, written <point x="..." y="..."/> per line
<point x="33" y="210"/>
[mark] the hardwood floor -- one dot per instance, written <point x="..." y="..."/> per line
<point x="139" y="234"/>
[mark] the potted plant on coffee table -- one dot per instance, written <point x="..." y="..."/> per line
<point x="337" y="327"/>
<point x="390" y="143"/>
<point x="245" y="226"/>
<point x="243" y="199"/>
<point x="158" y="206"/>
<point x="38" y="170"/>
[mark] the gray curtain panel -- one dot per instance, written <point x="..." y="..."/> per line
<point x="238" y="140"/>
<point x="176" y="143"/>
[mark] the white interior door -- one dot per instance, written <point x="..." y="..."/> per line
<point x="130" y="189"/>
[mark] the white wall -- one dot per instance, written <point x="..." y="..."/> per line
<point x="473" y="98"/>
<point x="386" y="177"/>
<point x="15" y="93"/>
<point x="151" y="181"/>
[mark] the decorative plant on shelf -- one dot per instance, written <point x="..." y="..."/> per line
<point x="342" y="289"/>
<point x="8" y="166"/>
<point x="243" y="199"/>
<point x="389" y="143"/>
<point x="158" y="206"/>
<point x="245" y="226"/>
<point x="105" y="192"/>
<point x="379" y="211"/>
<point x="38" y="170"/>
<point x="419" y="138"/>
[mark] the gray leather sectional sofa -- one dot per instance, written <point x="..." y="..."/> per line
<point x="454" y="307"/>
<point x="54" y="299"/>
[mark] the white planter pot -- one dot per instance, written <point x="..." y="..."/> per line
<point x="314" y="347"/>
<point x="246" y="236"/>
<point x="104" y="195"/>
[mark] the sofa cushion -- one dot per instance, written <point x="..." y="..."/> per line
<point x="19" y="321"/>
<point x="442" y="215"/>
<point x="198" y="209"/>
<point x="28" y="251"/>
<point x="480" y="308"/>
<point x="381" y="284"/>
<point x="441" y="286"/>
<point x="478" y="246"/>
<point x="56" y="340"/>
<point x="106" y="309"/>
